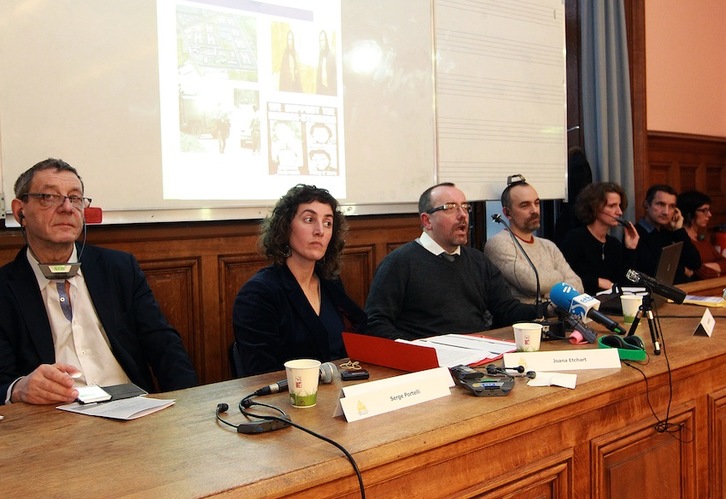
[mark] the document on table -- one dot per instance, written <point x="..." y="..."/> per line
<point x="125" y="409"/>
<point x="705" y="301"/>
<point x="455" y="349"/>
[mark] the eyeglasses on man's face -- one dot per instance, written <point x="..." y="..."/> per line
<point x="451" y="208"/>
<point x="704" y="210"/>
<point x="48" y="200"/>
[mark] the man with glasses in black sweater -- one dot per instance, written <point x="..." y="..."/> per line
<point x="436" y="284"/>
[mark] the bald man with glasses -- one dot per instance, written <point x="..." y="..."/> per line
<point x="436" y="284"/>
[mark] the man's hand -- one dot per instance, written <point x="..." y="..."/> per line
<point x="677" y="220"/>
<point x="48" y="384"/>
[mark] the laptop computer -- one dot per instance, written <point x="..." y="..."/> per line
<point x="667" y="266"/>
<point x="665" y="272"/>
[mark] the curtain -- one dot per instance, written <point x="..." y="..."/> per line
<point x="607" y="125"/>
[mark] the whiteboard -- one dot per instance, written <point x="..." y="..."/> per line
<point x="463" y="91"/>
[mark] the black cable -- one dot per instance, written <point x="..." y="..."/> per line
<point x="662" y="425"/>
<point x="247" y="402"/>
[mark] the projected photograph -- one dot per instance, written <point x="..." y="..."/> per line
<point x="258" y="104"/>
<point x="303" y="58"/>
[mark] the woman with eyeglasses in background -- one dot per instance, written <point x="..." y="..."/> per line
<point x="695" y="207"/>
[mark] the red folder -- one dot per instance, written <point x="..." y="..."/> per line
<point x="389" y="353"/>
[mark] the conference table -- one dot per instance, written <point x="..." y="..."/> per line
<point x="604" y="438"/>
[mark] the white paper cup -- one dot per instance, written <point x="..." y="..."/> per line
<point x="302" y="382"/>
<point x="527" y="336"/>
<point x="631" y="304"/>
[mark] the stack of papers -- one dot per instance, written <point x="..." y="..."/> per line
<point x="125" y="409"/>
<point x="456" y="349"/>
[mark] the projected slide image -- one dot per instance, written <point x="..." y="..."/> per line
<point x="302" y="139"/>
<point x="303" y="58"/>
<point x="258" y="106"/>
<point x="217" y="44"/>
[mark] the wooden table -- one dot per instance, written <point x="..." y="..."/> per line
<point x="597" y="440"/>
<point x="706" y="287"/>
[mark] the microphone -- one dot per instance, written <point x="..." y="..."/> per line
<point x="537" y="301"/>
<point x="656" y="286"/>
<point x="554" y="328"/>
<point x="582" y="306"/>
<point x="502" y="371"/>
<point x="620" y="221"/>
<point x="328" y="373"/>
<point x="575" y="323"/>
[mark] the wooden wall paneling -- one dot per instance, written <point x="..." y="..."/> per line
<point x="549" y="478"/>
<point x="175" y="284"/>
<point x="659" y="172"/>
<point x="689" y="176"/>
<point x="717" y="443"/>
<point x="637" y="461"/>
<point x="691" y="162"/>
<point x="635" y="26"/>
<point x="357" y="267"/>
<point x="233" y="271"/>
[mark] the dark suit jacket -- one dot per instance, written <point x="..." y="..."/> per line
<point x="140" y="337"/>
<point x="274" y="322"/>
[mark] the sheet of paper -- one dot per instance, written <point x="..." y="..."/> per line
<point x="705" y="301"/>
<point x="631" y="290"/>
<point x="126" y="409"/>
<point x="566" y="380"/>
<point x="455" y="349"/>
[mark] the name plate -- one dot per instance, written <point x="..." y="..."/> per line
<point x="705" y="327"/>
<point x="378" y="397"/>
<point x="565" y="360"/>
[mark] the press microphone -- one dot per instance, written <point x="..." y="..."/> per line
<point x="328" y="373"/>
<point x="575" y="323"/>
<point x="582" y="306"/>
<point x="657" y="287"/>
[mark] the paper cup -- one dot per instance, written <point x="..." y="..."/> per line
<point x="302" y="382"/>
<point x="631" y="304"/>
<point x="527" y="336"/>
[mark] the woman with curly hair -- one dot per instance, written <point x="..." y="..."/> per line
<point x="297" y="307"/>
<point x="600" y="259"/>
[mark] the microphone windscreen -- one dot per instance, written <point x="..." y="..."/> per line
<point x="562" y="295"/>
<point x="328" y="372"/>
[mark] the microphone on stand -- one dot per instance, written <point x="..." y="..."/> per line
<point x="550" y="325"/>
<point x="538" y="299"/>
<point x="656" y="286"/>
